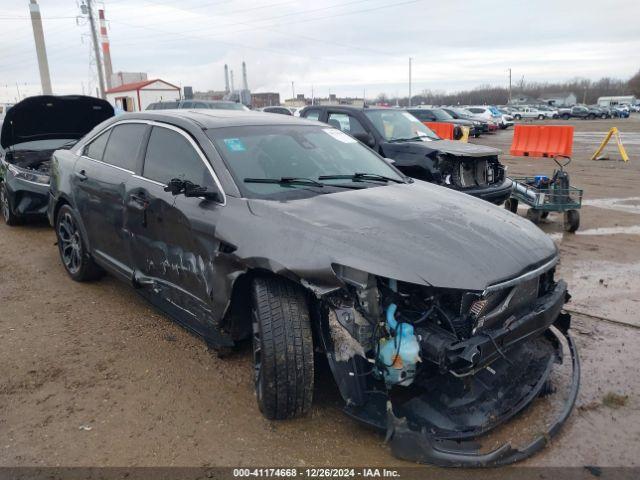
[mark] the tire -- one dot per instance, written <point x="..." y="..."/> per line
<point x="603" y="116"/>
<point x="9" y="217"/>
<point x="534" y="215"/>
<point x="591" y="116"/>
<point x="540" y="117"/>
<point x="72" y="247"/>
<point x="282" y="349"/>
<point x="566" y="116"/>
<point x="511" y="204"/>
<point x="544" y="214"/>
<point x="571" y="220"/>
<point x="518" y="117"/>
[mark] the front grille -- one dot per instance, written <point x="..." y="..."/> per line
<point x="502" y="304"/>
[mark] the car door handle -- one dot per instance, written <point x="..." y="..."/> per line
<point x="81" y="175"/>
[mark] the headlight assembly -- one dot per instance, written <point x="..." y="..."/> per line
<point x="29" y="175"/>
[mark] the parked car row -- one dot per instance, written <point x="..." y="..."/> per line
<point x="440" y="315"/>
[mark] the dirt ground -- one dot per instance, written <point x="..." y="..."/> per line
<point x="91" y="375"/>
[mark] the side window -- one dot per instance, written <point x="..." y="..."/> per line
<point x="95" y="149"/>
<point x="312" y="114"/>
<point x="170" y="155"/>
<point x="339" y="120"/>
<point x="124" y="144"/>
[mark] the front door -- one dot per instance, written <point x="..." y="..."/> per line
<point x="172" y="237"/>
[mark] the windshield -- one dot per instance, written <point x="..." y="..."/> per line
<point x="396" y="125"/>
<point x="228" y="106"/>
<point x="296" y="151"/>
<point x="441" y="115"/>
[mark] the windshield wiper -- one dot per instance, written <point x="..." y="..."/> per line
<point x="412" y="139"/>
<point x="286" y="181"/>
<point x="361" y="176"/>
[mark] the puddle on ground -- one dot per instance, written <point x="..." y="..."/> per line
<point x="631" y="230"/>
<point x="604" y="288"/>
<point x="628" y="205"/>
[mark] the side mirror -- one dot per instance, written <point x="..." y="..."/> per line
<point x="365" y="138"/>
<point x="175" y="186"/>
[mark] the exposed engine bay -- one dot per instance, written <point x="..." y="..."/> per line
<point x="464" y="173"/>
<point x="37" y="160"/>
<point x="430" y="365"/>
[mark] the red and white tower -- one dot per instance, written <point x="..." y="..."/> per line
<point x="106" y="51"/>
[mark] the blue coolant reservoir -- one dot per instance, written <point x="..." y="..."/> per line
<point x="400" y="353"/>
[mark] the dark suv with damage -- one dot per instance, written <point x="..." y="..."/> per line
<point x="439" y="315"/>
<point x="32" y="130"/>
<point x="418" y="152"/>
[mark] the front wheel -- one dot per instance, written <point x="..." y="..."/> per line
<point x="518" y="117"/>
<point x="282" y="349"/>
<point x="571" y="220"/>
<point x="565" y="116"/>
<point x="10" y="218"/>
<point x="511" y="204"/>
<point x="540" y="117"/>
<point x="73" y="250"/>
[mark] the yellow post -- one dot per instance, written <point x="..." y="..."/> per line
<point x="465" y="134"/>
<point x="613" y="132"/>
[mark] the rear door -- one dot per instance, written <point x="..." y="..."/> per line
<point x="100" y="177"/>
<point x="172" y="238"/>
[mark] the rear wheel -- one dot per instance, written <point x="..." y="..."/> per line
<point x="566" y="116"/>
<point x="517" y="116"/>
<point x="282" y="348"/>
<point x="571" y="220"/>
<point x="511" y="204"/>
<point x="534" y="215"/>
<point x="73" y="251"/>
<point x="540" y="117"/>
<point x="5" y="205"/>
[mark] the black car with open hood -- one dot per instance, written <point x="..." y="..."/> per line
<point x="32" y="130"/>
<point x="439" y="314"/>
<point x="418" y="152"/>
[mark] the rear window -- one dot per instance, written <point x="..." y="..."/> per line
<point x="123" y="145"/>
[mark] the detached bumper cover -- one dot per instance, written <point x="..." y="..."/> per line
<point x="420" y="446"/>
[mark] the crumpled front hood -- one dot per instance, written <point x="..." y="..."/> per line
<point x="419" y="233"/>
<point x="45" y="117"/>
<point x="462" y="149"/>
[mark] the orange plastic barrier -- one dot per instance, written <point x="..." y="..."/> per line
<point x="442" y="129"/>
<point x="542" y="141"/>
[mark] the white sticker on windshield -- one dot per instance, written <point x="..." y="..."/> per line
<point x="340" y="135"/>
<point x="411" y="117"/>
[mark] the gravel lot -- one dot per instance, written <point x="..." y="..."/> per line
<point x="91" y="375"/>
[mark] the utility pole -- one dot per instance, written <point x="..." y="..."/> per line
<point x="509" y="85"/>
<point x="409" y="81"/>
<point x="41" y="49"/>
<point x="293" y="91"/>
<point x="96" y="48"/>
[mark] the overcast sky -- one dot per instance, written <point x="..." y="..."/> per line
<point x="345" y="47"/>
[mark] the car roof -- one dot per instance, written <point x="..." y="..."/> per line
<point x="210" y="119"/>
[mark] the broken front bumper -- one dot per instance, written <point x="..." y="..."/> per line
<point x="443" y="419"/>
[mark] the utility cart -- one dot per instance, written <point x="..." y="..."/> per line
<point x="544" y="195"/>
<point x="541" y="193"/>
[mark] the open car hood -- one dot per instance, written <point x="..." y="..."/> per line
<point x="46" y="117"/>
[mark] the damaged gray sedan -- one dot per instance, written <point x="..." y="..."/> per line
<point x="439" y="314"/>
